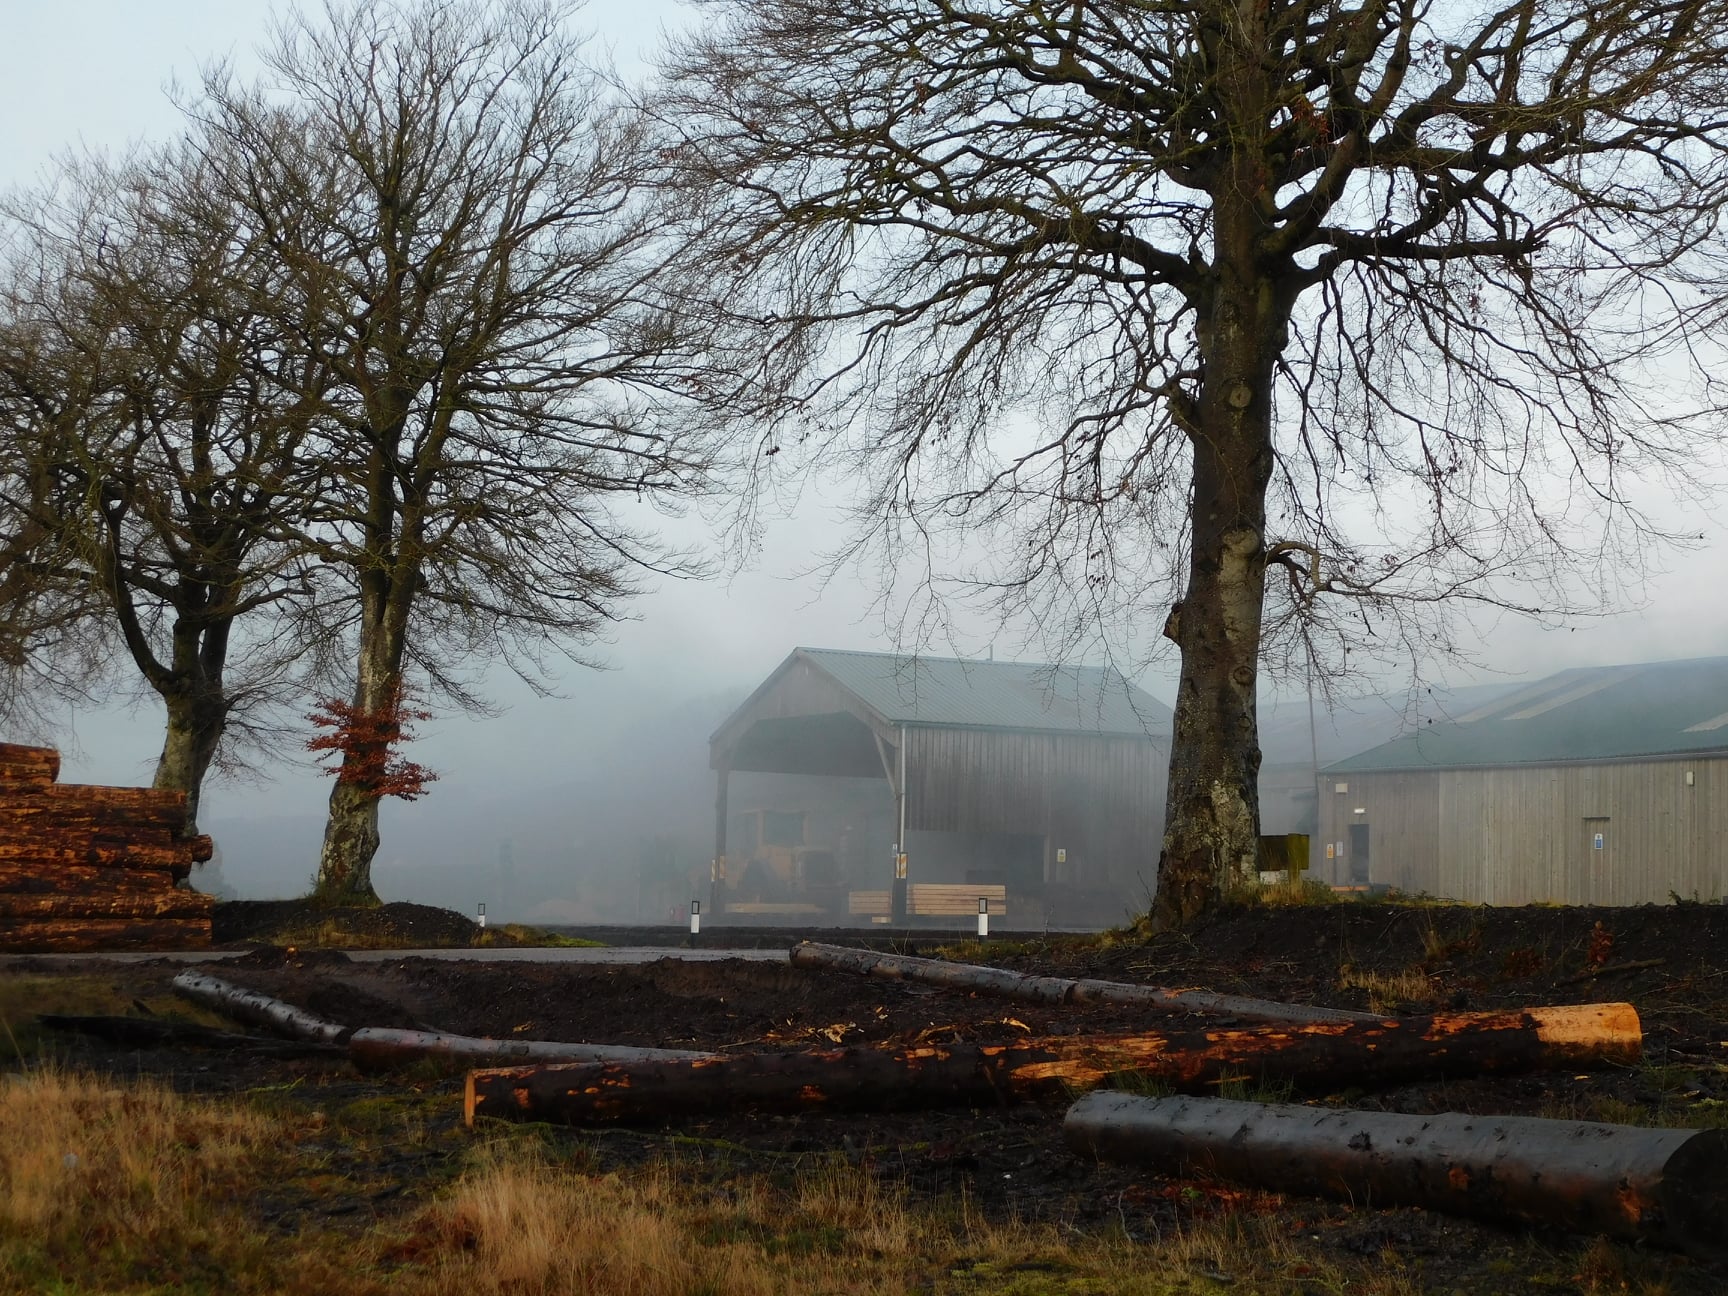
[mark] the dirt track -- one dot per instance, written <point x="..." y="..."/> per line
<point x="1011" y="1161"/>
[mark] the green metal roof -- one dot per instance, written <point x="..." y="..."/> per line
<point x="1598" y="713"/>
<point x="992" y="694"/>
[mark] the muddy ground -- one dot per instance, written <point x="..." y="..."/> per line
<point x="1671" y="962"/>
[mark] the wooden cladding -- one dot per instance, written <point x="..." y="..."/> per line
<point x="92" y="867"/>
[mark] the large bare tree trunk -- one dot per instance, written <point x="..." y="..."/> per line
<point x="196" y="721"/>
<point x="351" y="835"/>
<point x="1213" y="820"/>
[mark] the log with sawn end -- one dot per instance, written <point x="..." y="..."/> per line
<point x="1315" y="1056"/>
<point x="1655" y="1185"/>
<point x="55" y="848"/>
<point x="1048" y="989"/>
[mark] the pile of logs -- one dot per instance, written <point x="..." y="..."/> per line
<point x="89" y="868"/>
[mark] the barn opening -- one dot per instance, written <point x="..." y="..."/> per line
<point x="872" y="787"/>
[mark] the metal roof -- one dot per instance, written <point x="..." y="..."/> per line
<point x="1597" y="713"/>
<point x="917" y="690"/>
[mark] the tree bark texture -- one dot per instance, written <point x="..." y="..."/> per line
<point x="257" y="1008"/>
<point x="1653" y="1185"/>
<point x="1316" y="1056"/>
<point x="351" y="835"/>
<point x="197" y="720"/>
<point x="1212" y="825"/>
<point x="1044" y="989"/>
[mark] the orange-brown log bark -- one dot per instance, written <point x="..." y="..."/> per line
<point x="77" y="935"/>
<point x="1654" y="1185"/>
<point x="74" y="806"/>
<point x="53" y="850"/>
<point x="21" y="877"/>
<point x="1316" y="1056"/>
<point x="28" y="766"/>
<point x="169" y="903"/>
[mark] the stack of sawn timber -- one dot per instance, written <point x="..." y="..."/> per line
<point x="87" y="868"/>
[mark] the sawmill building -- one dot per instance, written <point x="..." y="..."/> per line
<point x="1604" y="785"/>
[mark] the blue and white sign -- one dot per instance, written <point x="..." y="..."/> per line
<point x="1597" y="843"/>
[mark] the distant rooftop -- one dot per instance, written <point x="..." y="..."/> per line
<point x="1593" y="713"/>
<point x="992" y="694"/>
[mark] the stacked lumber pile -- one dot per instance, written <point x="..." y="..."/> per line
<point x="86" y="868"/>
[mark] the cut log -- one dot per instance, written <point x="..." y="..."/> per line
<point x="79" y="935"/>
<point x="1654" y="1185"/>
<point x="1317" y="1056"/>
<point x="374" y="1048"/>
<point x="51" y="849"/>
<point x="63" y="806"/>
<point x="169" y="903"/>
<point x="22" y="767"/>
<point x="258" y="1009"/>
<point x="20" y="878"/>
<point x="1044" y="989"/>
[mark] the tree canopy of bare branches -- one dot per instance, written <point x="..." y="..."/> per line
<point x="156" y="431"/>
<point x="1391" y="297"/>
<point x="457" y="204"/>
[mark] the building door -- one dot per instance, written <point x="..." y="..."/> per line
<point x="1358" y="854"/>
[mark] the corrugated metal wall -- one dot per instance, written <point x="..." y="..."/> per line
<point x="1101" y="799"/>
<point x="1526" y="834"/>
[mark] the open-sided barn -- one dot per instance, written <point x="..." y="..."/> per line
<point x="1602" y="785"/>
<point x="1045" y="781"/>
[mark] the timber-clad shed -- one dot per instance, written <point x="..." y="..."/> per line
<point x="1600" y="785"/>
<point x="1062" y="766"/>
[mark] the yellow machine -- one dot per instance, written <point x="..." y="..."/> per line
<point x="778" y="873"/>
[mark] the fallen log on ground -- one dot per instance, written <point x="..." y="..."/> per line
<point x="1656" y="1185"/>
<point x="375" y="1048"/>
<point x="258" y="1009"/>
<point x="1046" y="989"/>
<point x="1318" y="1056"/>
<point x="150" y="1032"/>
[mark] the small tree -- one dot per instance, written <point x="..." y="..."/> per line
<point x="1391" y="297"/>
<point x="456" y="203"/>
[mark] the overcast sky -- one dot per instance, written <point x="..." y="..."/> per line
<point x="92" y="74"/>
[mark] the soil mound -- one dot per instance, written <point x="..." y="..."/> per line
<point x="301" y="922"/>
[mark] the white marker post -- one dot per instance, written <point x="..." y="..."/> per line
<point x="983" y="917"/>
<point x="695" y="918"/>
<point x="482" y="918"/>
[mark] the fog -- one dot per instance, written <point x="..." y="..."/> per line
<point x="596" y="804"/>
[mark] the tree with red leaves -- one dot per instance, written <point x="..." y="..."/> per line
<point x="365" y="741"/>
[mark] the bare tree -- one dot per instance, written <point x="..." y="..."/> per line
<point x="457" y="203"/>
<point x="157" y="432"/>
<point x="1392" y="297"/>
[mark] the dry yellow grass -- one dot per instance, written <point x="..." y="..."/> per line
<point x="162" y="1195"/>
<point x="1388" y="990"/>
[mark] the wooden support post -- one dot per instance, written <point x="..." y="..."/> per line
<point x="1664" y="1186"/>
<point x="717" y="870"/>
<point x="1318" y="1055"/>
